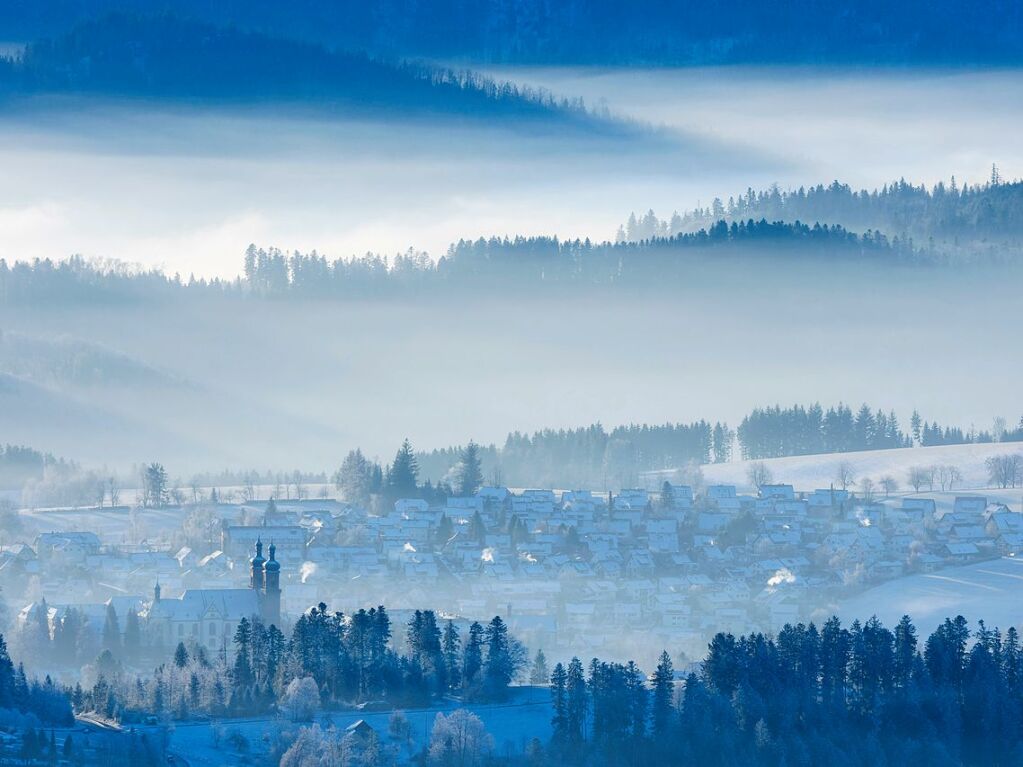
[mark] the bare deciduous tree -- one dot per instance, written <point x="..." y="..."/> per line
<point x="1005" y="470"/>
<point x="845" y="475"/>
<point x="759" y="474"/>
<point x="867" y="489"/>
<point x="888" y="485"/>
<point x="947" y="476"/>
<point x="919" y="476"/>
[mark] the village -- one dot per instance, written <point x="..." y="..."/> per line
<point x="621" y="574"/>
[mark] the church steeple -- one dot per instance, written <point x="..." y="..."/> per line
<point x="272" y="583"/>
<point x="256" y="567"/>
<point x="156" y="592"/>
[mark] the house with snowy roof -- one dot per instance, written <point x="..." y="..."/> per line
<point x="71" y="547"/>
<point x="970" y="504"/>
<point x="778" y="492"/>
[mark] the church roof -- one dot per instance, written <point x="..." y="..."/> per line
<point x="196" y="604"/>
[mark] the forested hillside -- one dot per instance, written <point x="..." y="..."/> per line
<point x="952" y="219"/>
<point x="589" y="456"/>
<point x="20" y="465"/>
<point x="165" y="56"/>
<point x="594" y="456"/>
<point x="605" y="31"/>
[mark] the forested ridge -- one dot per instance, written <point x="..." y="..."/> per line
<point x="526" y="261"/>
<point x="595" y="456"/>
<point x="618" y="32"/>
<point x="166" y="56"/>
<point x="948" y="218"/>
<point x="589" y="456"/>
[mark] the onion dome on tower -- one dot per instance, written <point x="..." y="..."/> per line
<point x="272" y="589"/>
<point x="257" y="563"/>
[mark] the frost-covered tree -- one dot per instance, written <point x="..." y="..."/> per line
<point x="354" y="480"/>
<point x="539" y="673"/>
<point x="301" y="699"/>
<point x="459" y="739"/>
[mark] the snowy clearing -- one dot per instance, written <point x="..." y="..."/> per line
<point x="808" y="472"/>
<point x="991" y="591"/>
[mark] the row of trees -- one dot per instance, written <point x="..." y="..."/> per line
<point x="775" y="431"/>
<point x="328" y="659"/>
<point x="862" y="694"/>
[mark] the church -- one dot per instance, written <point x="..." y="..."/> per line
<point x="209" y="617"/>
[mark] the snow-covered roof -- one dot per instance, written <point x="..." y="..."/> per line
<point x="195" y="604"/>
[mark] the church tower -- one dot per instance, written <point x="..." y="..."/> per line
<point x="272" y="590"/>
<point x="256" y="568"/>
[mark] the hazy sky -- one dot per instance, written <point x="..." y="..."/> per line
<point x="189" y="190"/>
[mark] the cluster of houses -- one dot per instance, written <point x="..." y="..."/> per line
<point x="575" y="569"/>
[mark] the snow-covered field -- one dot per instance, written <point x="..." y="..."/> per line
<point x="808" y="472"/>
<point x="513" y="724"/>
<point x="989" y="591"/>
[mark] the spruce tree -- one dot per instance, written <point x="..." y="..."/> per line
<point x="403" y="478"/>
<point x="576" y="702"/>
<point x="500" y="667"/>
<point x="472" y="662"/>
<point x="111" y="632"/>
<point x="181" y="655"/>
<point x="559" y="704"/>
<point x="242" y="674"/>
<point x="470" y="470"/>
<point x="663" y="692"/>
<point x="452" y="649"/>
